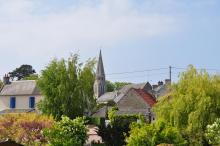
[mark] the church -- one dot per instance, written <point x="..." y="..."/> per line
<point x="130" y="99"/>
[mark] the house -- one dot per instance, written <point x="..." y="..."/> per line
<point x="131" y="99"/>
<point x="19" y="96"/>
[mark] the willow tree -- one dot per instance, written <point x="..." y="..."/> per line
<point x="67" y="87"/>
<point x="193" y="104"/>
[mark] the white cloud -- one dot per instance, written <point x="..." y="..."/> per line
<point x="27" y="34"/>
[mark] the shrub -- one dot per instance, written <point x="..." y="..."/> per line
<point x="67" y="132"/>
<point x="213" y="133"/>
<point x="24" y="128"/>
<point x="114" y="134"/>
<point x="143" y="134"/>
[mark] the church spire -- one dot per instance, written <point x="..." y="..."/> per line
<point x="99" y="85"/>
<point x="100" y="67"/>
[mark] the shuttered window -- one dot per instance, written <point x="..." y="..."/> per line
<point x="32" y="102"/>
<point x="12" y="102"/>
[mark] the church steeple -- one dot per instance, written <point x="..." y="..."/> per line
<point x="99" y="85"/>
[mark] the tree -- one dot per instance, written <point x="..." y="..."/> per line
<point x="213" y="133"/>
<point x="22" y="72"/>
<point x="193" y="104"/>
<point x="67" y="87"/>
<point x="67" y="132"/>
<point x="31" y="77"/>
<point x="114" y="134"/>
<point x="119" y="85"/>
<point x="110" y="86"/>
<point x="143" y="134"/>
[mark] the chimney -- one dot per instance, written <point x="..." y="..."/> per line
<point x="160" y="83"/>
<point x="168" y="82"/>
<point x="6" y="79"/>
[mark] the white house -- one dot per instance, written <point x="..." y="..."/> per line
<point x="19" y="96"/>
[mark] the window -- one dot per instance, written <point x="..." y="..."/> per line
<point x="12" y="102"/>
<point x="32" y="102"/>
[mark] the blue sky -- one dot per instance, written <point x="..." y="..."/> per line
<point x="133" y="34"/>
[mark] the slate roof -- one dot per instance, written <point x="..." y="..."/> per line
<point x="101" y="112"/>
<point x="100" y="67"/>
<point x="117" y="95"/>
<point x="27" y="87"/>
<point x="109" y="96"/>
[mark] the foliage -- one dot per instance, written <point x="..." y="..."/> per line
<point x="95" y="121"/>
<point x="67" y="87"/>
<point x="110" y="86"/>
<point x="143" y="134"/>
<point x="1" y="84"/>
<point x="114" y="133"/>
<point x="24" y="128"/>
<point x="119" y="85"/>
<point x="213" y="133"/>
<point x="22" y="72"/>
<point x="67" y="132"/>
<point x="31" y="77"/>
<point x="193" y="104"/>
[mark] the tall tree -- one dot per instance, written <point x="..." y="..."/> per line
<point x="67" y="87"/>
<point x="193" y="104"/>
<point x="22" y="72"/>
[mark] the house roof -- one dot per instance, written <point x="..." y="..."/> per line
<point x="148" y="98"/>
<point x="27" y="87"/>
<point x="109" y="96"/>
<point x="117" y="95"/>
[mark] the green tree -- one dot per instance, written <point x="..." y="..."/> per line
<point x="22" y="72"/>
<point x="67" y="87"/>
<point x="143" y="134"/>
<point x="119" y="85"/>
<point x="67" y="132"/>
<point x="213" y="133"/>
<point x="31" y="77"/>
<point x="193" y="104"/>
<point x="110" y="87"/>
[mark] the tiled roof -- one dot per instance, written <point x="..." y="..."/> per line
<point x="148" y="98"/>
<point x="27" y="87"/>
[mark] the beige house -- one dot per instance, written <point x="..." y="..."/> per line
<point x="19" y="96"/>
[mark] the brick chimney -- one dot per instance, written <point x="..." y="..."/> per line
<point x="160" y="83"/>
<point x="168" y="82"/>
<point x="6" y="79"/>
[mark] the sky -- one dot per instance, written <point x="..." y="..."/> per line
<point x="134" y="35"/>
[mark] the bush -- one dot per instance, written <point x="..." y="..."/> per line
<point x="24" y="128"/>
<point x="95" y="121"/>
<point x="143" y="134"/>
<point x="114" y="134"/>
<point x="67" y="132"/>
<point x="213" y="133"/>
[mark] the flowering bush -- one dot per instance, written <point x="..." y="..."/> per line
<point x="213" y="133"/>
<point x="67" y="132"/>
<point x="25" y="128"/>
